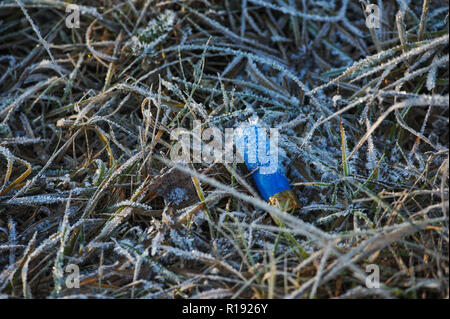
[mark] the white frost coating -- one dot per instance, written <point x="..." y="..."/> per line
<point x="431" y="77"/>
<point x="294" y="12"/>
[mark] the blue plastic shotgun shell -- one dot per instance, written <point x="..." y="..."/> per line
<point x="261" y="158"/>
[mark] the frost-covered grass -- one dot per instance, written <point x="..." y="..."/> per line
<point x="85" y="122"/>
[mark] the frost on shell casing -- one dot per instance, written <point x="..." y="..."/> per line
<point x="260" y="154"/>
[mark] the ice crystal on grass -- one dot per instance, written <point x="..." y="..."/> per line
<point x="177" y="195"/>
<point x="153" y="34"/>
<point x="36" y="200"/>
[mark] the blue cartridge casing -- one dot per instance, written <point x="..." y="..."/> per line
<point x="261" y="158"/>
